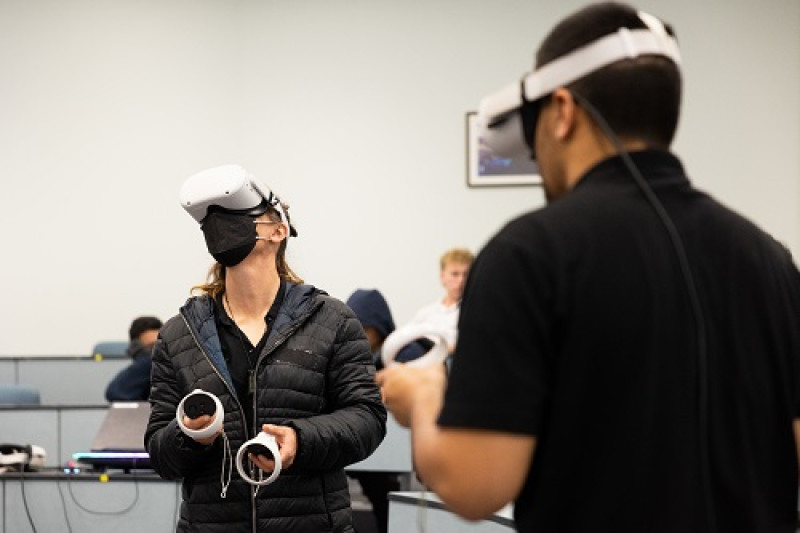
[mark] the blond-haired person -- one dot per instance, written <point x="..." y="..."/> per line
<point x="442" y="315"/>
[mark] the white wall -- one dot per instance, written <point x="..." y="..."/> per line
<point x="352" y="110"/>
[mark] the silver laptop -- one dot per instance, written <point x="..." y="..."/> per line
<point x="119" y="442"/>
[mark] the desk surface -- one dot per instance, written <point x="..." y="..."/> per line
<point x="412" y="512"/>
<point x="54" y="407"/>
<point x="504" y="516"/>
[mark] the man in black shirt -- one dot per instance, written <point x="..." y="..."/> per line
<point x="628" y="356"/>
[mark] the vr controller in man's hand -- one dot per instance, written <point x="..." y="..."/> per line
<point x="406" y="335"/>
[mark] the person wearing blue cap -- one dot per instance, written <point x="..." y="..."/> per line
<point x="373" y="312"/>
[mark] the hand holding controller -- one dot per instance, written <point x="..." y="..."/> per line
<point x="261" y="444"/>
<point x="196" y="404"/>
<point x="407" y="334"/>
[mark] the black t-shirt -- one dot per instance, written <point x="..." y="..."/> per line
<point x="240" y="354"/>
<point x="576" y="328"/>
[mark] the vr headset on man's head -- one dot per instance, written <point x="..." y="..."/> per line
<point x="507" y="117"/>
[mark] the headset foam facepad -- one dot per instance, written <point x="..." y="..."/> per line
<point x="231" y="188"/>
<point x="499" y="114"/>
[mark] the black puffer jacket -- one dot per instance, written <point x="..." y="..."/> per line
<point x="315" y="374"/>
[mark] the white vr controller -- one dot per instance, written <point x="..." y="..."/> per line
<point x="399" y="338"/>
<point x="198" y="403"/>
<point x="260" y="445"/>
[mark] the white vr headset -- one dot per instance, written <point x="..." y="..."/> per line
<point x="499" y="114"/>
<point x="231" y="188"/>
<point x="20" y="458"/>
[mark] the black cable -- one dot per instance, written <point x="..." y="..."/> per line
<point x="694" y="300"/>
<point x="63" y="505"/>
<point x="105" y="513"/>
<point x="25" y="496"/>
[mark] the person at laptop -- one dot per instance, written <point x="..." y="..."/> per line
<point x="132" y="383"/>
<point x="282" y="356"/>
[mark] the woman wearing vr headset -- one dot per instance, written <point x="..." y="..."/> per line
<point x="279" y="356"/>
<point x="629" y="355"/>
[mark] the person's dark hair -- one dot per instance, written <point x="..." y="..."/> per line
<point x="639" y="98"/>
<point x="142" y="324"/>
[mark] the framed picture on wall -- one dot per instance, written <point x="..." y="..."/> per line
<point x="485" y="169"/>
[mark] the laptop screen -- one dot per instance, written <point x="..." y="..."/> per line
<point x="119" y="442"/>
<point x="123" y="427"/>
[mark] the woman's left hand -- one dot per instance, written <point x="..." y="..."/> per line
<point x="286" y="437"/>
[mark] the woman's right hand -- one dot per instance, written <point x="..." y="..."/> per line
<point x="201" y="422"/>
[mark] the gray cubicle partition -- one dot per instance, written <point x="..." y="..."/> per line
<point x="394" y="453"/>
<point x="60" y="430"/>
<point x="125" y="503"/>
<point x="8" y="371"/>
<point x="63" y="380"/>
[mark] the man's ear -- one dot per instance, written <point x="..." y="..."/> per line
<point x="565" y="113"/>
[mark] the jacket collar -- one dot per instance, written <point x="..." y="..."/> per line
<point x="299" y="302"/>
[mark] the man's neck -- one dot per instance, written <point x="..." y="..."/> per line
<point x="592" y="151"/>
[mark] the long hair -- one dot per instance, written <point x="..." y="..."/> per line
<point x="215" y="281"/>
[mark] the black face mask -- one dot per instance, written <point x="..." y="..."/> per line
<point x="229" y="237"/>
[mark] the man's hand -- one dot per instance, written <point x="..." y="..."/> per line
<point x="286" y="437"/>
<point x="415" y="396"/>
<point x="405" y="388"/>
<point x="199" y="423"/>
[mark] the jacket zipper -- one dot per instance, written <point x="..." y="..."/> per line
<point x="252" y="387"/>
<point x="252" y="379"/>
<point x="241" y="412"/>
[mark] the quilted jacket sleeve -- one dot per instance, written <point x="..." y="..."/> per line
<point x="172" y="454"/>
<point x="356" y="423"/>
